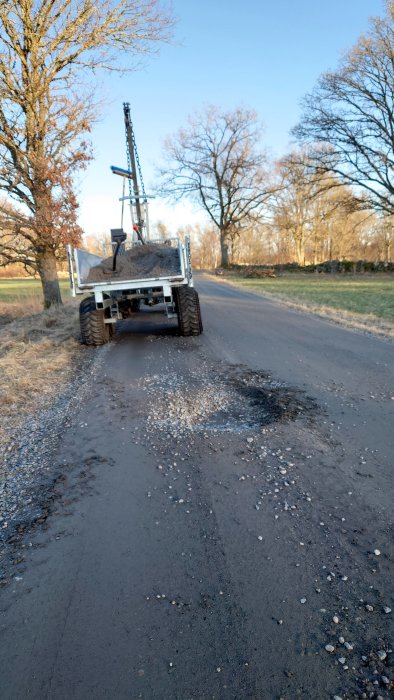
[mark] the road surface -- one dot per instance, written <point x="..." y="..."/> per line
<point x="220" y="525"/>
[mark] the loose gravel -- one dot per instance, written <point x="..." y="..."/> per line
<point x="27" y="473"/>
<point x="269" y="435"/>
<point x="248" y="415"/>
<point x="139" y="262"/>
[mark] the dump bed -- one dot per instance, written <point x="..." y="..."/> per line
<point x="156" y="264"/>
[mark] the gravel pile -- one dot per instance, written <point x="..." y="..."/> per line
<point x="174" y="407"/>
<point x="138" y="262"/>
<point x="236" y="402"/>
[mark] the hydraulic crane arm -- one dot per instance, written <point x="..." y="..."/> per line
<point x="137" y="197"/>
<point x="133" y="163"/>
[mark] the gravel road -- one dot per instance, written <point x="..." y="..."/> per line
<point x="216" y="517"/>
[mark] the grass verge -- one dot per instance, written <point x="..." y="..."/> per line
<point x="360" y="302"/>
<point x="37" y="358"/>
<point x="26" y="287"/>
<point x="22" y="296"/>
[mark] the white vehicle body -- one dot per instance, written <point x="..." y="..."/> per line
<point x="111" y="294"/>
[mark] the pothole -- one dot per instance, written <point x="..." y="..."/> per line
<point x="233" y="399"/>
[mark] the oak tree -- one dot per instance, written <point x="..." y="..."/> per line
<point x="217" y="162"/>
<point x="307" y="207"/>
<point x="348" y="118"/>
<point x="50" y="51"/>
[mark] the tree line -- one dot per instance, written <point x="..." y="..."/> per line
<point x="332" y="197"/>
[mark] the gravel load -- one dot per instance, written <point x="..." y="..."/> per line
<point x="138" y="262"/>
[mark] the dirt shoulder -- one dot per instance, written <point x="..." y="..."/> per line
<point x="43" y="370"/>
<point x="38" y="355"/>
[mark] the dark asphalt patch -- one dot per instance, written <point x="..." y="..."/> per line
<point x="254" y="400"/>
<point x="271" y="401"/>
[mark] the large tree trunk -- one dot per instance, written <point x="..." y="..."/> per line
<point x="388" y="252"/>
<point x="46" y="266"/>
<point x="224" y="246"/>
<point x="299" y="247"/>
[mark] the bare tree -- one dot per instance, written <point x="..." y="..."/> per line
<point x="205" y="244"/>
<point x="50" y="50"/>
<point x="349" y="117"/>
<point x="254" y="246"/>
<point x="383" y="238"/>
<point x="216" y="161"/>
<point x="162" y="230"/>
<point x="312" y="211"/>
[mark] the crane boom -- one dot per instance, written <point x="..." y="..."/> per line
<point x="132" y="161"/>
<point x="137" y="197"/>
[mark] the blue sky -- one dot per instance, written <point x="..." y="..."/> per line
<point x="259" y="54"/>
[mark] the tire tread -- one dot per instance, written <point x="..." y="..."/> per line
<point x="93" y="329"/>
<point x="188" y="310"/>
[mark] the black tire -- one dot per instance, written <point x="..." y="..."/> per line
<point x="93" y="329"/>
<point x="187" y="306"/>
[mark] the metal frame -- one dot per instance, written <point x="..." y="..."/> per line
<point x="105" y="292"/>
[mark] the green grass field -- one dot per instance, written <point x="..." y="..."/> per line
<point x="372" y="295"/>
<point x="24" y="289"/>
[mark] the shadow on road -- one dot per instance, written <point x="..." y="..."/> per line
<point x="147" y="323"/>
